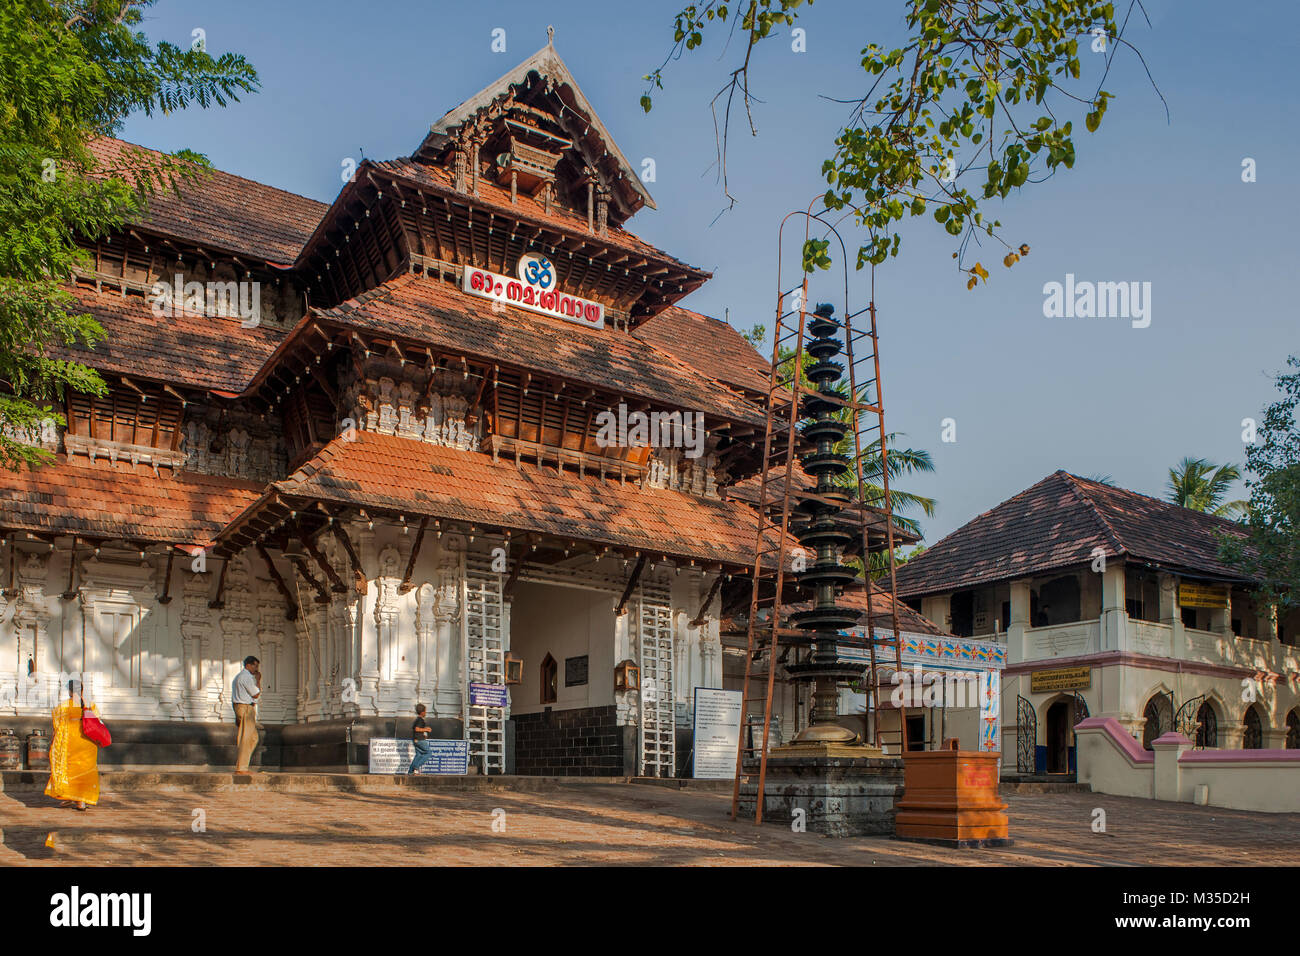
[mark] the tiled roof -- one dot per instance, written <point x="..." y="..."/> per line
<point x="439" y="179"/>
<point x="714" y="347"/>
<point x="416" y="478"/>
<point x="909" y="620"/>
<point x="225" y="212"/>
<point x="198" y="351"/>
<point x="106" y="500"/>
<point x="1056" y="524"/>
<point x="432" y="311"/>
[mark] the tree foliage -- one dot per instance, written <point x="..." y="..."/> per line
<point x="73" y="71"/>
<point x="1270" y="552"/>
<point x="991" y="86"/>
<point x="1201" y="485"/>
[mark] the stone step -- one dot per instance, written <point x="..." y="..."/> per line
<point x="117" y="781"/>
<point x="1043" y="786"/>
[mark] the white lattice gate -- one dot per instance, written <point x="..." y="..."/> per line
<point x="655" y="652"/>
<point x="484" y="637"/>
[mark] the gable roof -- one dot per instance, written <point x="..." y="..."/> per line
<point x="196" y="351"/>
<point x="413" y="477"/>
<point x="1057" y="523"/>
<point x="714" y="347"/>
<point x="547" y="63"/>
<point x="223" y="212"/>
<point x="434" y="312"/>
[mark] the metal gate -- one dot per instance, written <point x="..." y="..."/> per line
<point x="484" y="656"/>
<point x="1026" y="736"/>
<point x="1188" y="723"/>
<point x="658" y="728"/>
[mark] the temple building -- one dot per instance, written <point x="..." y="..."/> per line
<point x="1112" y="604"/>
<point x="450" y="432"/>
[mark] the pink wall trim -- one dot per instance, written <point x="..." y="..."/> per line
<point x="1131" y="748"/>
<point x="1175" y="664"/>
<point x="1240" y="756"/>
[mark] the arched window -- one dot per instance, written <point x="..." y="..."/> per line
<point x="550" y="680"/>
<point x="1253" y="736"/>
<point x="1293" y="730"/>
<point x="1207" y="734"/>
<point x="1159" y="717"/>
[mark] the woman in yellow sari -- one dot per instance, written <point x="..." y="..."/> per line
<point x="74" y="771"/>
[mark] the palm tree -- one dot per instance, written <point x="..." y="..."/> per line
<point x="1199" y="484"/>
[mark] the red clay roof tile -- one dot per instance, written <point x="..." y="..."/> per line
<point x="1057" y="523"/>
<point x="73" y="496"/>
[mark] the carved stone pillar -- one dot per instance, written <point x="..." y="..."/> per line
<point x="195" y="632"/>
<point x="446" y="614"/>
<point x="426" y="644"/>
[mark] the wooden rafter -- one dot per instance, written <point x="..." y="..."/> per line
<point x="699" y="619"/>
<point x="358" y="573"/>
<point x="291" y="605"/>
<point x="335" y="581"/>
<point x="406" y="584"/>
<point x="632" y="582"/>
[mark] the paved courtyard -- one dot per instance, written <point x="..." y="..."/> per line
<point x="578" y="824"/>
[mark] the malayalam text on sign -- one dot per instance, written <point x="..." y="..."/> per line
<point x="1062" y="678"/>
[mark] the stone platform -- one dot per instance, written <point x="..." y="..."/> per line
<point x="843" y="790"/>
<point x="190" y="781"/>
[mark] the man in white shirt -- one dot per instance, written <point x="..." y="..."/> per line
<point x="245" y="691"/>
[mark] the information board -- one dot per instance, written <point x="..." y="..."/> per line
<point x="1202" y="595"/>
<point x="1062" y="678"/>
<point x="488" y="695"/>
<point x="717" y="733"/>
<point x="575" y="671"/>
<point x="391" y="755"/>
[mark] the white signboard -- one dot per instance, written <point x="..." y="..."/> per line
<point x="717" y="733"/>
<point x="393" y="755"/>
<point x="536" y="290"/>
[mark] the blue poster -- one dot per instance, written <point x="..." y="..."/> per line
<point x="488" y="695"/>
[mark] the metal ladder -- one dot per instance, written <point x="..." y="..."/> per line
<point x="658" y="725"/>
<point x="484" y="654"/>
<point x="778" y="489"/>
<point x="776" y="473"/>
<point x="863" y="350"/>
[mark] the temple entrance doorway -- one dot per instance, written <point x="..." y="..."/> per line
<point x="563" y="710"/>
<point x="1059" y="722"/>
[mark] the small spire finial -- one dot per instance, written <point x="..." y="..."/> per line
<point x="550" y="35"/>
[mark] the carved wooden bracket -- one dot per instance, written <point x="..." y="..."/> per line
<point x="166" y="596"/>
<point x="218" y="602"/>
<point x="322" y="594"/>
<point x="631" y="586"/>
<point x="358" y="574"/>
<point x="337" y="583"/>
<point x="406" y="584"/>
<point x="290" y="603"/>
<point x="698" y="620"/>
<point x="69" y="594"/>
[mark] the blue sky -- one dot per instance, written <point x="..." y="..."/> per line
<point x="1149" y="200"/>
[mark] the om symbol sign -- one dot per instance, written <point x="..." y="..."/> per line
<point x="537" y="271"/>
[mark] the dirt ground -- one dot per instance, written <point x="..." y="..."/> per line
<point x="594" y="824"/>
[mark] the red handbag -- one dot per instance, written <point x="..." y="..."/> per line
<point x="93" y="728"/>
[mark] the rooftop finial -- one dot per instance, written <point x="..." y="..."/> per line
<point x="550" y="36"/>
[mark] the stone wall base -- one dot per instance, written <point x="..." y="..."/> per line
<point x="337" y="745"/>
<point x="839" y="796"/>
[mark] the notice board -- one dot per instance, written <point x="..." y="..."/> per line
<point x="717" y="733"/>
<point x="393" y="755"/>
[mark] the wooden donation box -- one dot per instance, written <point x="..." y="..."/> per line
<point x="950" y="797"/>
